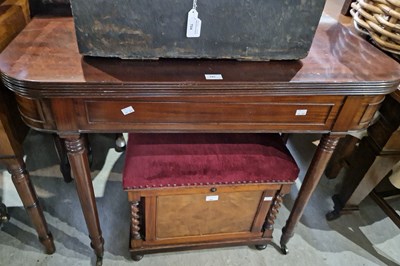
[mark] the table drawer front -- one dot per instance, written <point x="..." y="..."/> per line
<point x="319" y="115"/>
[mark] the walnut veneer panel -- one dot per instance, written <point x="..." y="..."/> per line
<point x="178" y="218"/>
<point x="194" y="215"/>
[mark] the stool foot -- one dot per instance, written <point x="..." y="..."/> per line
<point x="137" y="257"/>
<point x="261" y="247"/>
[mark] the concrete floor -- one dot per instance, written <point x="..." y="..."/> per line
<point x="366" y="237"/>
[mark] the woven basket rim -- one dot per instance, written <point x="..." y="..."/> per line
<point x="379" y="19"/>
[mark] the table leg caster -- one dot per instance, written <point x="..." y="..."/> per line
<point x="261" y="247"/>
<point x="284" y="250"/>
<point x="4" y="217"/>
<point x="137" y="257"/>
<point x="120" y="143"/>
<point x="99" y="261"/>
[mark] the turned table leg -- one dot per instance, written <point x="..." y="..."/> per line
<point x="77" y="156"/>
<point x="311" y="179"/>
<point x="27" y="193"/>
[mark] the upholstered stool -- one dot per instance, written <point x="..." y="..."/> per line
<point x="204" y="190"/>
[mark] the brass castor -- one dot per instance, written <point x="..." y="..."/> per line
<point x="120" y="143"/>
<point x="284" y="250"/>
<point x="137" y="257"/>
<point x="4" y="217"/>
<point x="261" y="247"/>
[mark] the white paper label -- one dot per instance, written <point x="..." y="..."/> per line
<point x="193" y="24"/>
<point x="212" y="198"/>
<point x="267" y="198"/>
<point x="301" y="112"/>
<point x="128" y="110"/>
<point x="213" y="76"/>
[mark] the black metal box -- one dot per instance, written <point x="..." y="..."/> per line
<point x="238" y="29"/>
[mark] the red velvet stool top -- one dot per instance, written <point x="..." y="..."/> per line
<point x="193" y="159"/>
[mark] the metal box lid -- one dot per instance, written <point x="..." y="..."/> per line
<point x="231" y="29"/>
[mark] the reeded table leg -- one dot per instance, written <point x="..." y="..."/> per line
<point x="26" y="191"/>
<point x="77" y="156"/>
<point x="311" y="179"/>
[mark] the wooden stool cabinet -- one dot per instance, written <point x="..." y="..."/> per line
<point x="190" y="191"/>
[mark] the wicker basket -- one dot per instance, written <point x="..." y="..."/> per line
<point x="379" y="19"/>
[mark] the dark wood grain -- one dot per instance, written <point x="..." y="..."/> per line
<point x="341" y="84"/>
<point x="321" y="158"/>
<point x="14" y="15"/>
<point x="77" y="155"/>
<point x="12" y="134"/>
<point x="333" y="65"/>
<point x="26" y="192"/>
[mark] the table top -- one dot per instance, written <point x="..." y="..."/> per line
<point x="44" y="60"/>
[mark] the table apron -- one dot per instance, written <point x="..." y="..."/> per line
<point x="201" y="114"/>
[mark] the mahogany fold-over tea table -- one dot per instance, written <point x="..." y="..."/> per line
<point x="336" y="89"/>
